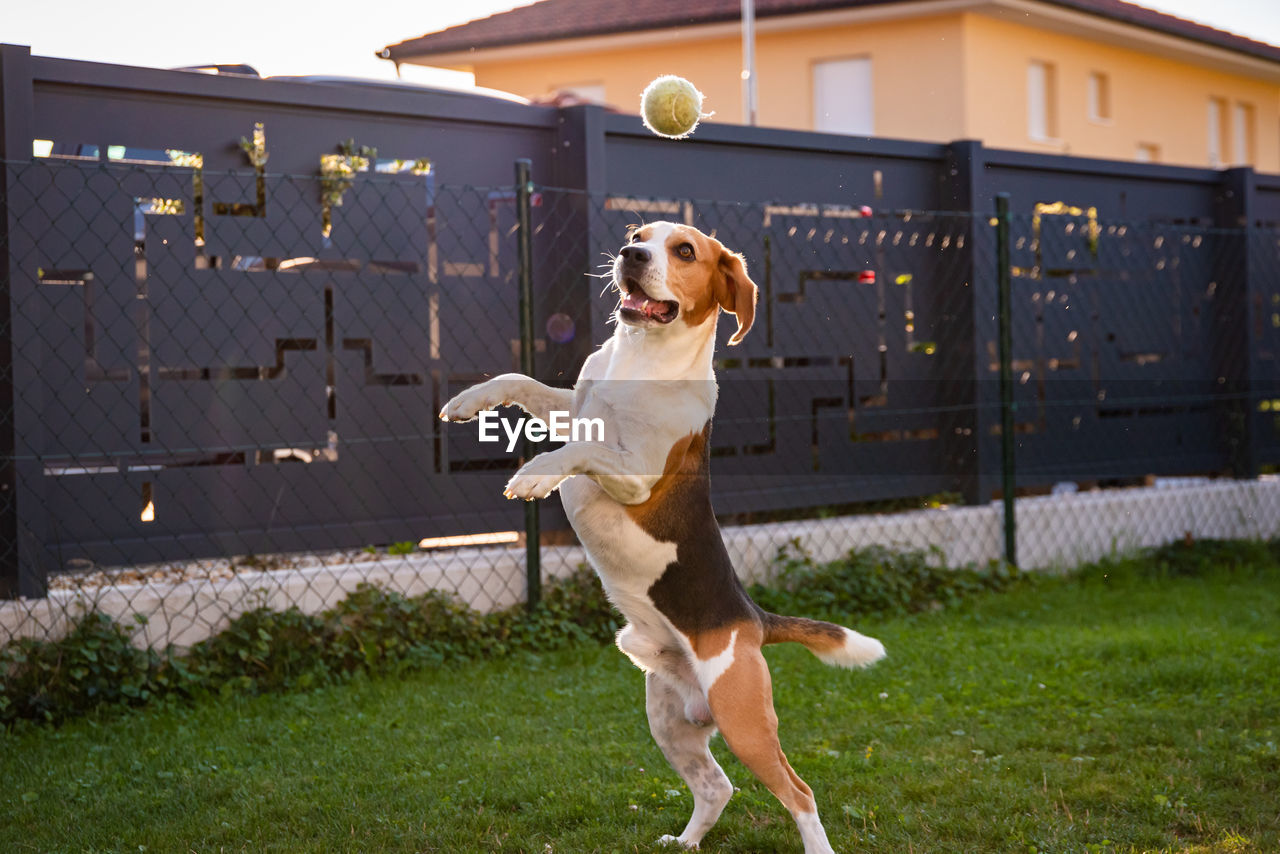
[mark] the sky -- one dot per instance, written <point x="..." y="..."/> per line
<point x="341" y="38"/>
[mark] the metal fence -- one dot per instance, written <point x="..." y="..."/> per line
<point x="225" y="384"/>
<point x="225" y="335"/>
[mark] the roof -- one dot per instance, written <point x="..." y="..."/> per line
<point x="553" y="20"/>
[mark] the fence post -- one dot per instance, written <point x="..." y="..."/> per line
<point x="524" y="266"/>
<point x="15" y="146"/>
<point x="577" y="168"/>
<point x="963" y="315"/>
<point x="1234" y="341"/>
<point x="1007" y="404"/>
<point x="567" y="249"/>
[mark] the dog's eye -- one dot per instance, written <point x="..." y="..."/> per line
<point x="685" y="251"/>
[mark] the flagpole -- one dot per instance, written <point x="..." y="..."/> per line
<point x="749" y="108"/>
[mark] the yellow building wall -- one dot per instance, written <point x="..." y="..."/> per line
<point x="937" y="78"/>
<point x="712" y="65"/>
<point x="1153" y="100"/>
<point x="916" y="92"/>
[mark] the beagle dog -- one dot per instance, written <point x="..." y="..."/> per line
<point x="640" y="502"/>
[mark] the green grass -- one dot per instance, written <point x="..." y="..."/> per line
<point x="1112" y="712"/>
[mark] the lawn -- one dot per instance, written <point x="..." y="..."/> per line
<point x="1118" y="713"/>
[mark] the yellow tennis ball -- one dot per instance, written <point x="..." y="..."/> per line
<point x="671" y="106"/>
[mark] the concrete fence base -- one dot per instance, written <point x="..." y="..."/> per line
<point x="1054" y="532"/>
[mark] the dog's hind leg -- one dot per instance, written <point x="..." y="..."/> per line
<point x="684" y="744"/>
<point x="741" y="699"/>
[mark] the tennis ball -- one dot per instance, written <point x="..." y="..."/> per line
<point x="671" y="106"/>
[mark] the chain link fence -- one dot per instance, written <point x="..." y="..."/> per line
<point x="225" y="385"/>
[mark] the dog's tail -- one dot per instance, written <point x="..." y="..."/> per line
<point x="832" y="644"/>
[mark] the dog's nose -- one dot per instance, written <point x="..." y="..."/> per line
<point x="633" y="254"/>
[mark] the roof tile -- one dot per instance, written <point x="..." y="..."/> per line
<point x="552" y="20"/>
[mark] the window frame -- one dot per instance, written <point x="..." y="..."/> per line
<point x="864" y="60"/>
<point x="1046" y="88"/>
<point x="1099" y="97"/>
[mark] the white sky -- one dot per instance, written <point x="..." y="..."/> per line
<point x="332" y="37"/>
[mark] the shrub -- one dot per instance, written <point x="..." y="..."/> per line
<point x="263" y="650"/>
<point x="376" y="629"/>
<point x="1186" y="558"/>
<point x="93" y="665"/>
<point x="371" y="630"/>
<point x="573" y="610"/>
<point x="873" y="580"/>
<point x="1196" y="558"/>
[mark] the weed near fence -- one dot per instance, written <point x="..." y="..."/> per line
<point x="372" y="630"/>
<point x="379" y="631"/>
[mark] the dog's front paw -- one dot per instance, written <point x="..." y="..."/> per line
<point x="535" y="479"/>
<point x="467" y="405"/>
<point x="531" y="486"/>
<point x="675" y="840"/>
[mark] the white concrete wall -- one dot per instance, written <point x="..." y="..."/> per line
<point x="1054" y="532"/>
<point x="1063" y="531"/>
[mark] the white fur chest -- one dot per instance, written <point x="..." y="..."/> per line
<point x="625" y="556"/>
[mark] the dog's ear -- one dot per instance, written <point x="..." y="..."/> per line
<point x="735" y="292"/>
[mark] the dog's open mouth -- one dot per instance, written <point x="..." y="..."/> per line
<point x="638" y="306"/>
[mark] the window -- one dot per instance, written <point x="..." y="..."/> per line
<point x="842" y="100"/>
<point x="1042" y="114"/>
<point x="1099" y="97"/>
<point x="1242" y="134"/>
<point x="1216" y="119"/>
<point x="1148" y="152"/>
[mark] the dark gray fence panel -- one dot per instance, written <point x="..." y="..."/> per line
<point x="762" y="165"/>
<point x="1117" y="356"/>
<point x="1118" y="190"/>
<point x="470" y="140"/>
<point x="1264" y="284"/>
<point x="1113" y="370"/>
<point x="209" y="371"/>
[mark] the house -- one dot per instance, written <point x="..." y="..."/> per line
<point x="1099" y="78"/>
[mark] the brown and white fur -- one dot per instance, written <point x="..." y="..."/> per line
<point x="640" y="504"/>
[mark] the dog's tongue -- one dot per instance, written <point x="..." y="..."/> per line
<point x="637" y="301"/>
